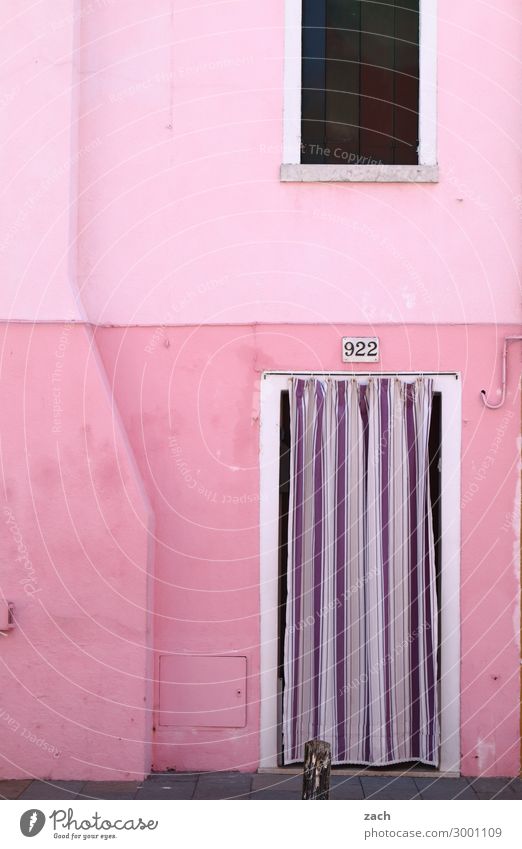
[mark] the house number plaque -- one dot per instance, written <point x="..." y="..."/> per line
<point x="360" y="349"/>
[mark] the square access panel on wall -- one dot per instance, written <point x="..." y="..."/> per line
<point x="202" y="691"/>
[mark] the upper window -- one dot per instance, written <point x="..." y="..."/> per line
<point x="360" y="90"/>
<point x="360" y="82"/>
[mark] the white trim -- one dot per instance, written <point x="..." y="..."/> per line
<point x="271" y="387"/>
<point x="451" y="390"/>
<point x="450" y="386"/>
<point x="292" y="82"/>
<point x="292" y="103"/>
<point x="428" y="82"/>
<point x="359" y="173"/>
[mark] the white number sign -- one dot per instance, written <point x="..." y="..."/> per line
<point x="360" y="349"/>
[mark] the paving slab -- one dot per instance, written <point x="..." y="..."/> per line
<point x="494" y="788"/>
<point x="445" y="788"/>
<point x="223" y="785"/>
<point x="346" y="787"/>
<point x="168" y="787"/>
<point x="276" y="786"/>
<point x="275" y="796"/>
<point x="389" y="787"/>
<point x="110" y="789"/>
<point x="53" y="789"/>
<point x="516" y="788"/>
<point x="512" y="788"/>
<point x="273" y="786"/>
<point x="176" y="776"/>
<point x="13" y="788"/>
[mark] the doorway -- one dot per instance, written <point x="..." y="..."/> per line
<point x="444" y="455"/>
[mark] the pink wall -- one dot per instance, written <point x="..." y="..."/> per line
<point x="74" y="536"/>
<point x="75" y="669"/>
<point x="161" y="126"/>
<point x="189" y="399"/>
<point x="39" y="159"/>
<point x="183" y="218"/>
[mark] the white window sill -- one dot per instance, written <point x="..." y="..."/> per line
<point x="359" y="173"/>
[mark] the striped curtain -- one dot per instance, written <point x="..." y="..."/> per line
<point x="361" y="619"/>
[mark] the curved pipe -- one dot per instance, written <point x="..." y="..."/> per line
<point x="487" y="404"/>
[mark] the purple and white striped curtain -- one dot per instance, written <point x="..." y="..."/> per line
<point x="361" y="621"/>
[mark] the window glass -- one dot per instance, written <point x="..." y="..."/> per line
<point x="360" y="81"/>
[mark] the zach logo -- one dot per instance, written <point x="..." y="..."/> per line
<point x="32" y="822"/>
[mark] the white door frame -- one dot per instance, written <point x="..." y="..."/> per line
<point x="450" y="385"/>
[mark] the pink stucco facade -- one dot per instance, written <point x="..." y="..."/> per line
<point x="153" y="267"/>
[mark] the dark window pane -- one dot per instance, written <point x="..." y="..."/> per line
<point x="377" y="80"/>
<point x="313" y="80"/>
<point x="360" y="81"/>
<point x="343" y="50"/>
<point x="407" y="82"/>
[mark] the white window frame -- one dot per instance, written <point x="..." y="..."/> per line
<point x="425" y="172"/>
<point x="450" y="386"/>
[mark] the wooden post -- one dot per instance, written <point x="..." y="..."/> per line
<point x="316" y="777"/>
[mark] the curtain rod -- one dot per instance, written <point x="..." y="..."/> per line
<point x="364" y="373"/>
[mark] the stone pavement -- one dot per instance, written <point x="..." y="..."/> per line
<point x="236" y="785"/>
